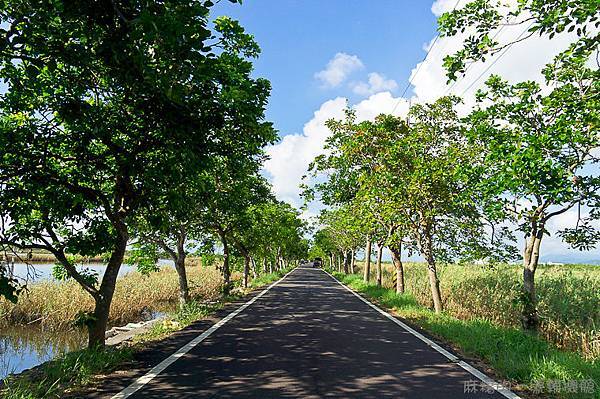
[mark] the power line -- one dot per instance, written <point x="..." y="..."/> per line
<point x="471" y="64"/>
<point x="420" y="65"/>
<point x="496" y="60"/>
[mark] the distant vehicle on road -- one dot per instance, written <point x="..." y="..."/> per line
<point x="317" y="262"/>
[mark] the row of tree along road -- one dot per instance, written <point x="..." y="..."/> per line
<point x="452" y="187"/>
<point x="134" y="125"/>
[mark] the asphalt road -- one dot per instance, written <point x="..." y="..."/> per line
<point x="309" y="337"/>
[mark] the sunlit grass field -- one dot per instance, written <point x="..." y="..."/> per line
<point x="569" y="298"/>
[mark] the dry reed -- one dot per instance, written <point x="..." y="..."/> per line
<point x="569" y="298"/>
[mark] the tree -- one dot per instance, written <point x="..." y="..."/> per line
<point x="483" y="19"/>
<point x="538" y="150"/>
<point x="413" y="182"/>
<point x="343" y="229"/>
<point x="266" y="224"/>
<point x="232" y="187"/>
<point x="428" y="168"/>
<point x="171" y="226"/>
<point x="322" y="244"/>
<point x="538" y="144"/>
<point x="107" y="104"/>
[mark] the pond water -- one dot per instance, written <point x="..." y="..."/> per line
<point x="23" y="347"/>
<point x="43" y="271"/>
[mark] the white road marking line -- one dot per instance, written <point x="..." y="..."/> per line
<point x="507" y="393"/>
<point x="159" y="368"/>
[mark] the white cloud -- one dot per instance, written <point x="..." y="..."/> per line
<point x="289" y="159"/>
<point x="522" y="61"/>
<point x="381" y="103"/>
<point x="441" y="6"/>
<point x="376" y="83"/>
<point x="338" y="69"/>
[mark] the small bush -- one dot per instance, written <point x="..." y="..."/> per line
<point x="71" y="370"/>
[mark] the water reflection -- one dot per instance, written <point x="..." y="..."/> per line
<point x="23" y="347"/>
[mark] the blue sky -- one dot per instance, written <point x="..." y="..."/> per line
<point x="298" y="38"/>
<point x="322" y="56"/>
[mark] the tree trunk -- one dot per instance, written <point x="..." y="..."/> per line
<point x="379" y="271"/>
<point x="226" y="272"/>
<point x="278" y="259"/>
<point x="434" y="282"/>
<point x="184" y="292"/>
<point x="352" y="261"/>
<point x="397" y="259"/>
<point x="331" y="263"/>
<point x="254" y="268"/>
<point x="367" y="270"/>
<point x="246" y="269"/>
<point x="346" y="262"/>
<point x="529" y="318"/>
<point x="97" y="324"/>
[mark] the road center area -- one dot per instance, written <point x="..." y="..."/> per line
<point x="308" y="336"/>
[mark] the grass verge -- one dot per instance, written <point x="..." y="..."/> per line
<point x="74" y="369"/>
<point x="80" y="368"/>
<point x="531" y="362"/>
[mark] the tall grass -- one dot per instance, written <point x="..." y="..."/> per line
<point x="569" y="298"/>
<point x="44" y="256"/>
<point x="514" y="354"/>
<point x="54" y="305"/>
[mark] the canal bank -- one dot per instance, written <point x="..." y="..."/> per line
<point x="41" y="325"/>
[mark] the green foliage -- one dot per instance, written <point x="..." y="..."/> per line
<point x="412" y="183"/>
<point x="270" y="228"/>
<point x="481" y="20"/>
<point x="537" y="144"/>
<point x="59" y="272"/>
<point x="115" y="116"/>
<point x="145" y="257"/>
<point x="9" y="287"/>
<point x="322" y="244"/>
<point x="209" y="259"/>
<point x="193" y="311"/>
<point x="235" y="40"/>
<point x="83" y="319"/>
<point x="74" y="369"/>
<point x="541" y="153"/>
